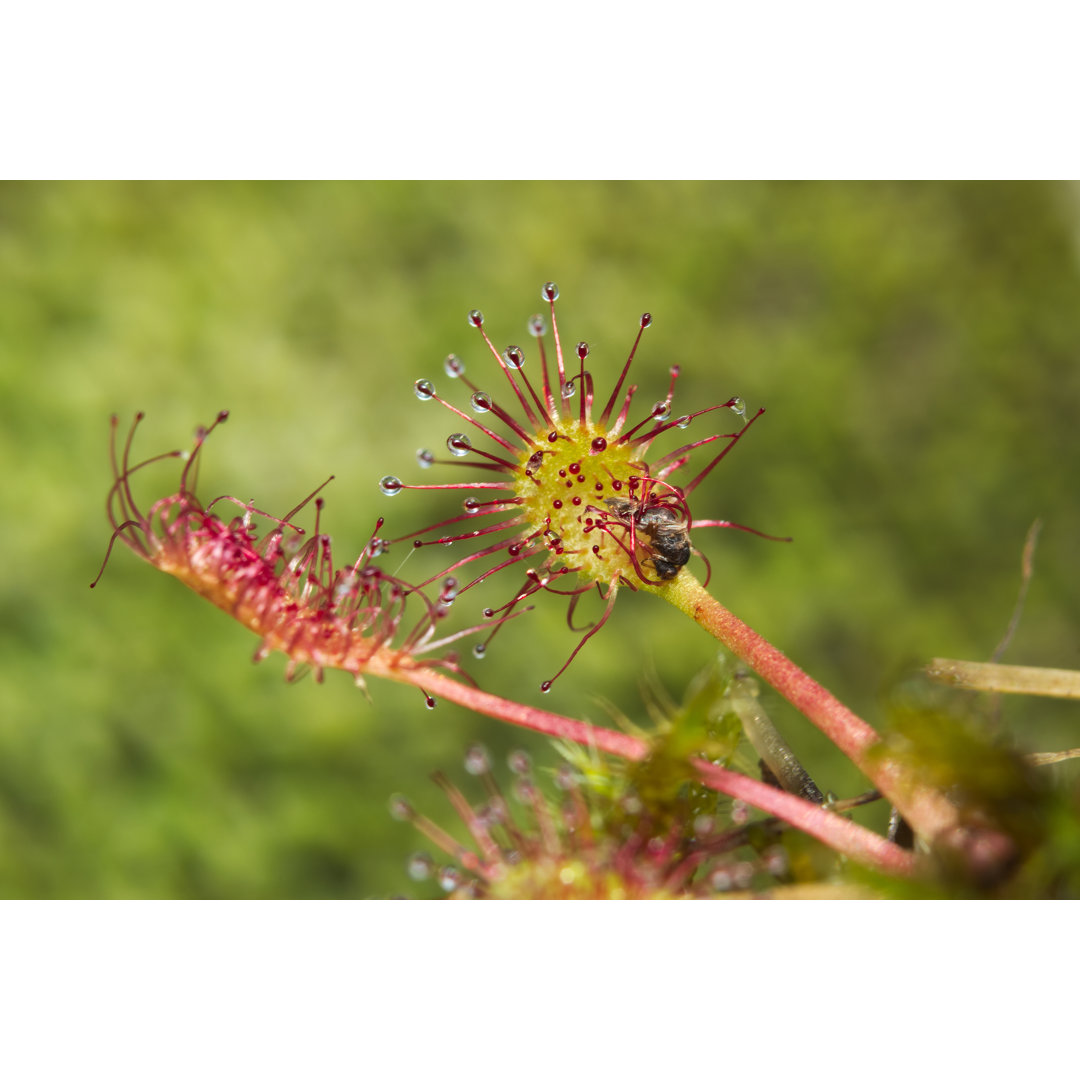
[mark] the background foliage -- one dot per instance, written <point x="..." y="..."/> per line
<point x="917" y="348"/>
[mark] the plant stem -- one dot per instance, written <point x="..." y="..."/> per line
<point x="926" y="809"/>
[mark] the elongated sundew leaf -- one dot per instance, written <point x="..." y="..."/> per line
<point x="1006" y="678"/>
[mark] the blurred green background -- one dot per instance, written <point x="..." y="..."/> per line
<point x="917" y="347"/>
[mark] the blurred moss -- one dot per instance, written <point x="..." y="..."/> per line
<point x="948" y="741"/>
<point x="915" y="345"/>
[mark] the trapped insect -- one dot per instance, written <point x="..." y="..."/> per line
<point x="667" y="531"/>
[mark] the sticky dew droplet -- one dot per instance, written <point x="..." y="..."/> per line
<point x="400" y="808"/>
<point x="390" y="485"/>
<point x="775" y="861"/>
<point x="450" y="878"/>
<point x="550" y="291"/>
<point x="425" y="459"/>
<point x="477" y="760"/>
<point x="514" y="357"/>
<point x="424" y="389"/>
<point x="565" y="778"/>
<point x="720" y="879"/>
<point x="458" y="444"/>
<point x="454" y="366"/>
<point x="519" y="761"/>
<point x="481" y="402"/>
<point x="476" y="318"/>
<point x="471" y="505"/>
<point x="738" y="407"/>
<point x="661" y="410"/>
<point x="537" y="325"/>
<point x="656" y="846"/>
<point x="498" y="810"/>
<point x="420" y="867"/>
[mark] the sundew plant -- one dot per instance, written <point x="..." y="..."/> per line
<point x="556" y="489"/>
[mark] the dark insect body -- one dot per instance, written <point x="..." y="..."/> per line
<point x="666" y="529"/>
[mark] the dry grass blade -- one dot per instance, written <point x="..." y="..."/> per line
<point x="1006" y="678"/>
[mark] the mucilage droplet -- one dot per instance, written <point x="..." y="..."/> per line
<point x="458" y="444"/>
